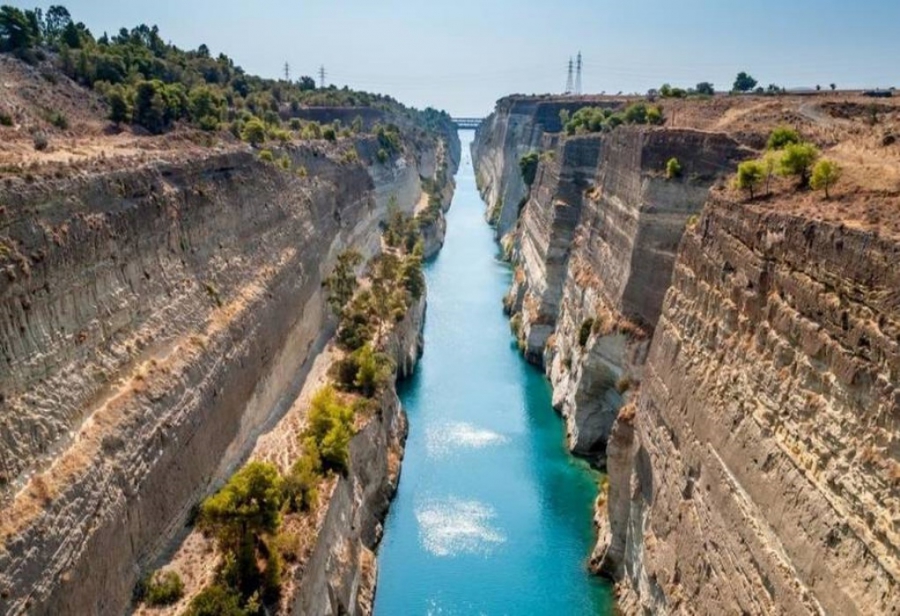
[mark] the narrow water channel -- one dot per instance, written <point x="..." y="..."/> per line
<point x="492" y="515"/>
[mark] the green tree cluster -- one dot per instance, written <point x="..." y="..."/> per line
<point x="153" y="83"/>
<point x="788" y="156"/>
<point x="599" y="119"/>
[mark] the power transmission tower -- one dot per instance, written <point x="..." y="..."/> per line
<point x="322" y="76"/>
<point x="578" y="75"/>
<point x="569" y="80"/>
<point x="287" y="71"/>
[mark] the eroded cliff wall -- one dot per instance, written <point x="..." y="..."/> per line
<point x="764" y="475"/>
<point x="733" y="366"/>
<point x="516" y="128"/>
<point x="594" y="250"/>
<point x="153" y="322"/>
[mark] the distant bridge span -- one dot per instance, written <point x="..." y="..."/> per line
<point x="467" y="123"/>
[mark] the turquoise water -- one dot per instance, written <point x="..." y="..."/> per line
<point x="492" y="515"/>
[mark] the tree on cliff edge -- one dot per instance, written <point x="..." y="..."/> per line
<point x="749" y="176"/>
<point x="744" y="82"/>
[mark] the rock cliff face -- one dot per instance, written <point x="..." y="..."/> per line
<point x="516" y="128"/>
<point x="594" y="249"/>
<point x="764" y="474"/>
<point x="153" y="322"/>
<point x="733" y="368"/>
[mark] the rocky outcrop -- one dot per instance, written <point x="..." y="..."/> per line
<point x="153" y="322"/>
<point x="339" y="578"/>
<point x="765" y="470"/>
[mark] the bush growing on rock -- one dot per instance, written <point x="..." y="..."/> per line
<point x="342" y="283"/>
<point x="673" y="168"/>
<point x="40" y="141"/>
<point x="162" y="588"/>
<point x="301" y="484"/>
<point x="216" y="600"/>
<point x="528" y="165"/>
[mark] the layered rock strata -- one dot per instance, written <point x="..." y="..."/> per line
<point x="760" y="472"/>
<point x="154" y="322"/>
<point x="594" y="250"/>
<point x="736" y="371"/>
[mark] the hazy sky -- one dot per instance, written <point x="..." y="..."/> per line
<point x="462" y="55"/>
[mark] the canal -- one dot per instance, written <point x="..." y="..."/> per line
<point x="492" y="516"/>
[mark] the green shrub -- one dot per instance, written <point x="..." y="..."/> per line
<point x="341" y="284"/>
<point x="374" y="373"/>
<point x="750" y="175"/>
<point x="382" y="156"/>
<point x="300" y="485"/>
<point x="254" y="131"/>
<point x="797" y="160"/>
<point x="782" y="137"/>
<point x="636" y="113"/>
<point x="356" y="327"/>
<point x="584" y="333"/>
<point x="528" y="165"/>
<point x="673" y="168"/>
<point x="266" y="156"/>
<point x="825" y="174"/>
<point x="58" y="120"/>
<point x="163" y="588"/>
<point x="330" y="425"/>
<point x="329" y="134"/>
<point x="240" y="516"/>
<point x="6" y="120"/>
<point x="216" y="600"/>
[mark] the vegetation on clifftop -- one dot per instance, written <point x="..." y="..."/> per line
<point x="790" y="157"/>
<point x="155" y="84"/>
<point x="603" y="119"/>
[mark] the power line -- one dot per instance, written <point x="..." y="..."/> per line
<point x="287" y="71"/>
<point x="569" y="86"/>
<point x="322" y="76"/>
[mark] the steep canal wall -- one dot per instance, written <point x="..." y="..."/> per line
<point x="733" y="365"/>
